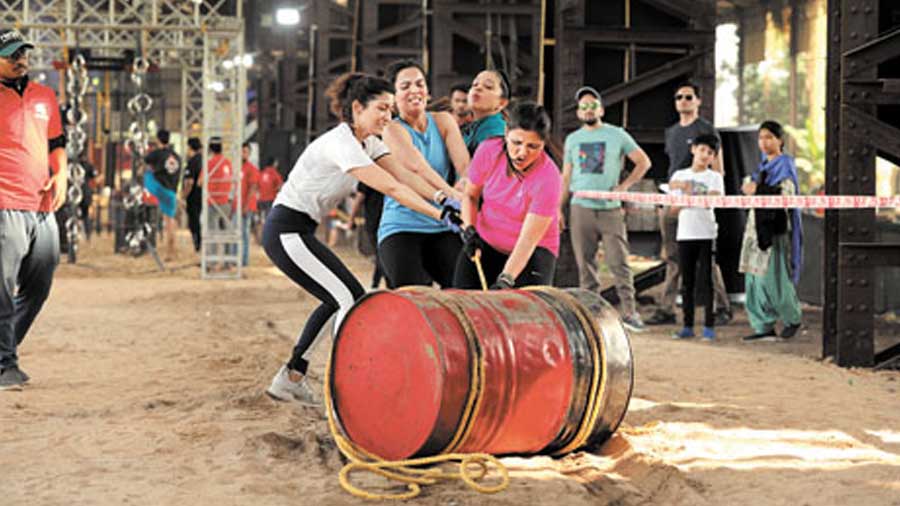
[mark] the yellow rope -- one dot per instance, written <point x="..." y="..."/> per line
<point x="477" y="259"/>
<point x="406" y="471"/>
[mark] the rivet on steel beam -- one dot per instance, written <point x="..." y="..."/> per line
<point x="853" y="35"/>
<point x="848" y="333"/>
<point x="863" y="283"/>
<point x="851" y="177"/>
<point x="849" y="282"/>
<point x="851" y="151"/>
<point x="864" y="257"/>
<point x="851" y="231"/>
<point x="863" y="308"/>
<point x="848" y="308"/>
<point x="864" y="231"/>
<point x="862" y="333"/>
<point x="865" y="151"/>
<point x="835" y="180"/>
<point x="866" y="94"/>
<point x="853" y="9"/>
<point x="864" y="179"/>
<point x="833" y="306"/>
<point x="868" y="9"/>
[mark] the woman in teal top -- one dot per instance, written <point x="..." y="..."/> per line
<point x="488" y="96"/>
<point x="414" y="249"/>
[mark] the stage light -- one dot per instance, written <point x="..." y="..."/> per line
<point x="287" y="16"/>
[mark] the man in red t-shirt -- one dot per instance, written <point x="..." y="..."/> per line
<point x="33" y="184"/>
<point x="270" y="182"/>
<point x="249" y="188"/>
<point x="218" y="190"/>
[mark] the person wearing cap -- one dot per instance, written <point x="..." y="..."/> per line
<point x="679" y="138"/>
<point x="593" y="161"/>
<point x="33" y="184"/>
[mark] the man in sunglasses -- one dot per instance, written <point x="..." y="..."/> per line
<point x="679" y="138"/>
<point x="594" y="159"/>
<point x="33" y="174"/>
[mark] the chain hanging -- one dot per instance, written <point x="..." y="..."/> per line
<point x="138" y="143"/>
<point x="76" y="120"/>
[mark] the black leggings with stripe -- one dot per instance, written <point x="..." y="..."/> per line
<point x="289" y="240"/>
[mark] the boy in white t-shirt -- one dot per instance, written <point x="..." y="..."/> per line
<point x="697" y="231"/>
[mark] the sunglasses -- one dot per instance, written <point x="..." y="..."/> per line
<point x="684" y="97"/>
<point x="589" y="106"/>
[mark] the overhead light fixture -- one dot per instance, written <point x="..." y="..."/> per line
<point x="247" y="60"/>
<point x="228" y="64"/>
<point x="287" y="16"/>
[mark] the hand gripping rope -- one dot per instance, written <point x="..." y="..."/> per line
<point x="473" y="467"/>
<point x="76" y="119"/>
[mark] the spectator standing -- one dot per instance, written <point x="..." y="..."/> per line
<point x="593" y="161"/>
<point x="29" y="195"/>
<point x="162" y="183"/>
<point x="219" y="192"/>
<point x="193" y="192"/>
<point x="772" y="250"/>
<point x="249" y="196"/>
<point x="459" y="104"/>
<point x="697" y="232"/>
<point x="270" y="182"/>
<point x="678" y="148"/>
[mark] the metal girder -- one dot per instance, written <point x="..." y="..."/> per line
<point x="873" y="92"/>
<point x="413" y="24"/>
<point x="685" y="9"/>
<point x="642" y="36"/>
<point x="647" y="81"/>
<point x="874" y="132"/>
<point x="872" y="53"/>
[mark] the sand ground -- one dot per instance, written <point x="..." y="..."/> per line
<point x="147" y="389"/>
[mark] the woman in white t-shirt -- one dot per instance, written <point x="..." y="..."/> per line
<point x="697" y="232"/>
<point x="327" y="171"/>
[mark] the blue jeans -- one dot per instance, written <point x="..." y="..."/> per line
<point x="29" y="254"/>
<point x="246" y="221"/>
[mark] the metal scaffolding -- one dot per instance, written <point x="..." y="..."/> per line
<point x="196" y="37"/>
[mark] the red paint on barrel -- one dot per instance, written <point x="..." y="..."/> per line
<point x="400" y="372"/>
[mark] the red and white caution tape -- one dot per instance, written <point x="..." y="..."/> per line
<point x="750" y="202"/>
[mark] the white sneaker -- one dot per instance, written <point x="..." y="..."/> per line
<point x="283" y="389"/>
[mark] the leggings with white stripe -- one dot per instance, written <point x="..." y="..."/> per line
<point x="289" y="240"/>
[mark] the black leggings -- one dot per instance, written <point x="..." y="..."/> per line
<point x="696" y="259"/>
<point x="411" y="258"/>
<point x="538" y="270"/>
<point x="289" y="240"/>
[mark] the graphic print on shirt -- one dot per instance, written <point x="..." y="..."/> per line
<point x="592" y="157"/>
<point x="171" y="164"/>
<point x="41" y="112"/>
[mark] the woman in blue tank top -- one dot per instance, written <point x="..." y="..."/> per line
<point x="415" y="249"/>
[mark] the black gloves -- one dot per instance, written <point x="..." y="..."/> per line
<point x="504" y="282"/>
<point x="450" y="218"/>
<point x="472" y="242"/>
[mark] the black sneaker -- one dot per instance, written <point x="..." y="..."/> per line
<point x="790" y="331"/>
<point x="723" y="317"/>
<point x="661" y="317"/>
<point x="11" y="379"/>
<point x="25" y="377"/>
<point x="768" y="335"/>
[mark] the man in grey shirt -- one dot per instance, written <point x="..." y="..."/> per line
<point x="678" y="148"/>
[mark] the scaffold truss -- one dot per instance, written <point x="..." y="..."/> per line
<point x="196" y="37"/>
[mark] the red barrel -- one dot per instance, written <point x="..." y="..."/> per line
<point x="421" y="372"/>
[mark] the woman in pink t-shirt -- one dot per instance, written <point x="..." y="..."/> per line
<point x="516" y="228"/>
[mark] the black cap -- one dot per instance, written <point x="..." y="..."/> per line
<point x="587" y="90"/>
<point x="11" y="41"/>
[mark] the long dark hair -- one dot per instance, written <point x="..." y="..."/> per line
<point x="533" y="117"/>
<point x="354" y="86"/>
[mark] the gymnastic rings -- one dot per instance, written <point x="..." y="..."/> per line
<point x="74" y="194"/>
<point x="76" y="170"/>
